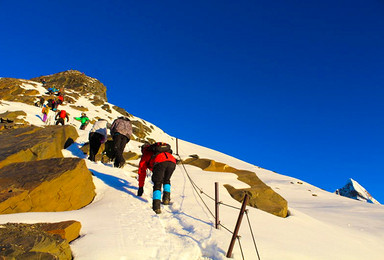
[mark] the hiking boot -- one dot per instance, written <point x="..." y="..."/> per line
<point x="166" y="197"/>
<point x="156" y="206"/>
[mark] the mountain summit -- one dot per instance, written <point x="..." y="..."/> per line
<point x="355" y="191"/>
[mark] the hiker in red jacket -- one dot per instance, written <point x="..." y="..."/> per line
<point x="61" y="115"/>
<point x="162" y="166"/>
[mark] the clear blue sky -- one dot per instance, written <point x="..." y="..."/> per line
<point x="292" y="86"/>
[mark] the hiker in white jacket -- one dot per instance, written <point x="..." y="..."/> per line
<point x="97" y="136"/>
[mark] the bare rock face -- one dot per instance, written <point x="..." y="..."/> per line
<point x="36" y="241"/>
<point x="34" y="143"/>
<point x="12" y="119"/>
<point x="10" y="90"/>
<point x="261" y="196"/>
<point x="68" y="230"/>
<point x="57" y="184"/>
<point x="77" y="81"/>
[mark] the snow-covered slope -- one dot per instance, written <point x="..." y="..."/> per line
<point x="355" y="191"/>
<point x="120" y="225"/>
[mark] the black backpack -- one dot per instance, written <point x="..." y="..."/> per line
<point x="160" y="147"/>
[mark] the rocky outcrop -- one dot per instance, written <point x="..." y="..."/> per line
<point x="73" y="80"/>
<point x="57" y="184"/>
<point x="37" y="241"/>
<point x="34" y="143"/>
<point x="11" y="90"/>
<point x="68" y="230"/>
<point x="122" y="111"/>
<point x="261" y="196"/>
<point x="13" y="119"/>
<point x="141" y="131"/>
<point x="353" y="190"/>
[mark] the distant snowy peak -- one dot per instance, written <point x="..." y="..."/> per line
<point x="355" y="191"/>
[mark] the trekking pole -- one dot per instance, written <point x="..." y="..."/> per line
<point x="237" y="227"/>
<point x="217" y="221"/>
<point x="177" y="146"/>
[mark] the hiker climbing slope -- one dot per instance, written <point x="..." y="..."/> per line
<point x="45" y="112"/>
<point x="84" y="120"/>
<point x="159" y="159"/>
<point x="97" y="136"/>
<point x="121" y="131"/>
<point x="60" y="116"/>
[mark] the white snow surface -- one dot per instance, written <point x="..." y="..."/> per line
<point x="120" y="225"/>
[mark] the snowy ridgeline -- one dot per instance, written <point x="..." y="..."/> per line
<point x="120" y="225"/>
<point x="355" y="191"/>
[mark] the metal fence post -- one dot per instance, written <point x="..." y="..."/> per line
<point x="217" y="220"/>
<point x="237" y="227"/>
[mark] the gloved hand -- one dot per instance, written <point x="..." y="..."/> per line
<point x="140" y="191"/>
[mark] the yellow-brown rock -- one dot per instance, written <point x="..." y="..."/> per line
<point x="34" y="143"/>
<point x="11" y="90"/>
<point x="28" y="241"/>
<point x="261" y="196"/>
<point x="12" y="119"/>
<point x="77" y="81"/>
<point x="56" y="184"/>
<point x="69" y="230"/>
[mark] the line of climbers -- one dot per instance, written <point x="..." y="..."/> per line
<point x="52" y="104"/>
<point x="155" y="157"/>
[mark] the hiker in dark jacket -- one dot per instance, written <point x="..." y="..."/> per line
<point x="60" y="116"/>
<point x="97" y="136"/>
<point x="162" y="166"/>
<point x="121" y="131"/>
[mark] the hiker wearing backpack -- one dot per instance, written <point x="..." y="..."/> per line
<point x="45" y="112"/>
<point x="60" y="99"/>
<point x="121" y="131"/>
<point x="97" y="136"/>
<point x="84" y="120"/>
<point x="60" y="116"/>
<point x="159" y="159"/>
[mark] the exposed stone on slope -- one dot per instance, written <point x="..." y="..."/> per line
<point x="10" y="90"/>
<point x="57" y="184"/>
<point x="69" y="230"/>
<point x="81" y="108"/>
<point x="14" y="116"/>
<point x="107" y="108"/>
<point x="34" y="143"/>
<point x="77" y="81"/>
<point x="141" y="131"/>
<point x="12" y="119"/>
<point x="122" y="111"/>
<point x="29" y="241"/>
<point x="261" y="196"/>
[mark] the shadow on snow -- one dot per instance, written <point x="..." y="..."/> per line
<point x="118" y="183"/>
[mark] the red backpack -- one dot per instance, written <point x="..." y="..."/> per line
<point x="63" y="114"/>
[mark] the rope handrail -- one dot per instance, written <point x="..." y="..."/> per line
<point x="200" y="191"/>
<point x="241" y="248"/>
<point x="253" y="237"/>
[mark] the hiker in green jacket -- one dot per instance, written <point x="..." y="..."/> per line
<point x="84" y="120"/>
